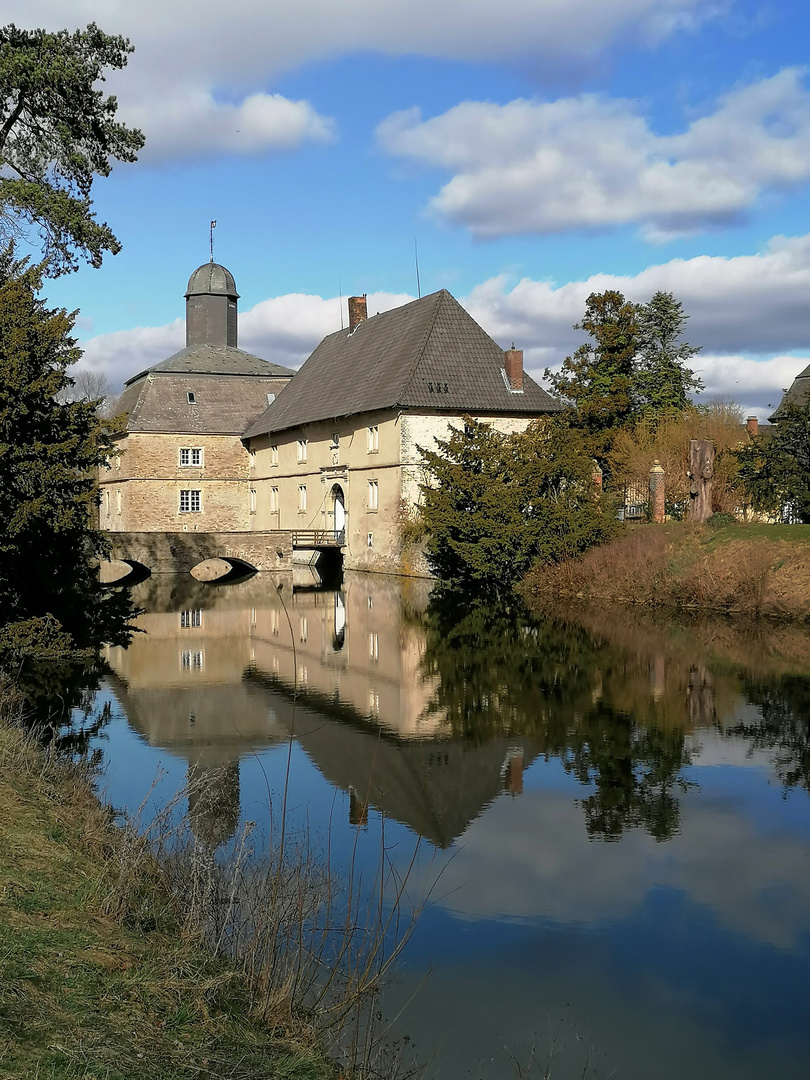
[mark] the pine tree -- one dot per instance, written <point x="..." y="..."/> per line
<point x="493" y="503"/>
<point x="663" y="382"/>
<point x="598" y="381"/>
<point x="52" y="606"/>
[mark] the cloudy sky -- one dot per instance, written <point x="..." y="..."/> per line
<point x="535" y="151"/>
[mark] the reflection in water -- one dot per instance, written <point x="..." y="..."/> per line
<point x="533" y="742"/>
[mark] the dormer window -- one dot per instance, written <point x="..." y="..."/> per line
<point x="271" y="398"/>
<point x="191" y="398"/>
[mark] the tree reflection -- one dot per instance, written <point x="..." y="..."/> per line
<point x="498" y="674"/>
<point x="782" y="728"/>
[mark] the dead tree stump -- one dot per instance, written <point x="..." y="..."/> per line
<point x="701" y="474"/>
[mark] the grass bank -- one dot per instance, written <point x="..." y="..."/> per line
<point x="98" y="977"/>
<point x="755" y="570"/>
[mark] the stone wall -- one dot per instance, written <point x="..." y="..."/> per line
<point x="177" y="553"/>
<point x="141" y="491"/>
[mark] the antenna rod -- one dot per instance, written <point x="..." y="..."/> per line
<point x="416" y="259"/>
<point x="211" y="238"/>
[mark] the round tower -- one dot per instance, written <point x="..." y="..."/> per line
<point x="211" y="306"/>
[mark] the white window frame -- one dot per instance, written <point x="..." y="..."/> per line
<point x="302" y="498"/>
<point x="371" y="540"/>
<point x="191" y="619"/>
<point x="302" y="451"/>
<point x="274" y="454"/>
<point x="193" y="457"/>
<point x="191" y="397"/>
<point x="253" y="500"/>
<point x="119" y="500"/>
<point x="273" y="500"/>
<point x="373" y="439"/>
<point x="373" y="496"/>
<point x="192" y="496"/>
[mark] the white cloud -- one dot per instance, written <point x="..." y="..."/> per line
<point x="189" y="54"/>
<point x="749" y="313"/>
<point x="593" y="162"/>
<point x="193" y="123"/>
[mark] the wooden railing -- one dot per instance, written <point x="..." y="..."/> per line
<point x="318" y="538"/>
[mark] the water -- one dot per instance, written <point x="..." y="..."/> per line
<point x="614" y="812"/>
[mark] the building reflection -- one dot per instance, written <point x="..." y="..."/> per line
<point x="424" y="721"/>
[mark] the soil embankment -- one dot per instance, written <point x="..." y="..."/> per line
<point x="754" y="570"/>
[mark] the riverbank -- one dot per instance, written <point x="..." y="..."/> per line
<point x="753" y="570"/>
<point x="98" y="975"/>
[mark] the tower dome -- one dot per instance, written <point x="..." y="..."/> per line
<point x="212" y="279"/>
<point x="211" y="306"/>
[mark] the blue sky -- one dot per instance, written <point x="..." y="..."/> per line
<point x="537" y="150"/>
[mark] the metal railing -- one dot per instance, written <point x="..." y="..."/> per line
<point x="318" y="538"/>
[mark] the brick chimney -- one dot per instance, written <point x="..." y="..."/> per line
<point x="513" y="364"/>
<point x="358" y="311"/>
<point x="752" y="426"/>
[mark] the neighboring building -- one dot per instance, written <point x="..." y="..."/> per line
<point x="183" y="465"/>
<point x="797" y="393"/>
<point x="340" y="449"/>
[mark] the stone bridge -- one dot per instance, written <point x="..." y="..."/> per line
<point x="178" y="552"/>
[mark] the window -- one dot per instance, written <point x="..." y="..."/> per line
<point x="302" y="498"/>
<point x="191" y="398"/>
<point x="191" y="501"/>
<point x="192" y="661"/>
<point x="373" y="492"/>
<point x="271" y="398"/>
<point x="253" y="500"/>
<point x="303" y="628"/>
<point x="191" y="455"/>
<point x="335" y="443"/>
<point x="273" y="499"/>
<point x="302" y="450"/>
<point x="191" y="619"/>
<point x="107" y="503"/>
<point x="371" y="539"/>
<point x="373" y="647"/>
<point x="119" y="500"/>
<point x="274" y="455"/>
<point x="373" y="439"/>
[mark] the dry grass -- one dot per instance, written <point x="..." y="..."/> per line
<point x="736" y="570"/>
<point x="99" y="975"/>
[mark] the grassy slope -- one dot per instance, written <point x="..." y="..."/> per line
<point x="96" y="981"/>
<point x="749" y="569"/>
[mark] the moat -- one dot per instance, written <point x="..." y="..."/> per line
<point x="613" y="814"/>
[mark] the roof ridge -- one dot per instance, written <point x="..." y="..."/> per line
<point x="440" y="294"/>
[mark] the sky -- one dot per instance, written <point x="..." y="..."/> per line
<point x="530" y="151"/>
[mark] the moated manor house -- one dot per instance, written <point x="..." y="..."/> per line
<point x="220" y="441"/>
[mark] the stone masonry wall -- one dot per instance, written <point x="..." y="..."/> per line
<point x="177" y="553"/>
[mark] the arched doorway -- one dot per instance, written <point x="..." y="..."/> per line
<point x="338" y="509"/>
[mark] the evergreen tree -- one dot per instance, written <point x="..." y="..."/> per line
<point x="775" y="468"/>
<point x="58" y="131"/>
<point x="494" y="503"/>
<point x="52" y="606"/>
<point x="663" y="382"/>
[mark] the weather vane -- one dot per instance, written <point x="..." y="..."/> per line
<point x="211" y="238"/>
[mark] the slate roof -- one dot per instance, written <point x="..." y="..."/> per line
<point x="215" y="360"/>
<point x="797" y="393"/>
<point x="157" y="401"/>
<point x="212" y="278"/>
<point x="428" y="354"/>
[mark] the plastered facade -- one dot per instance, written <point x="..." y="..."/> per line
<point x="369" y="458"/>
